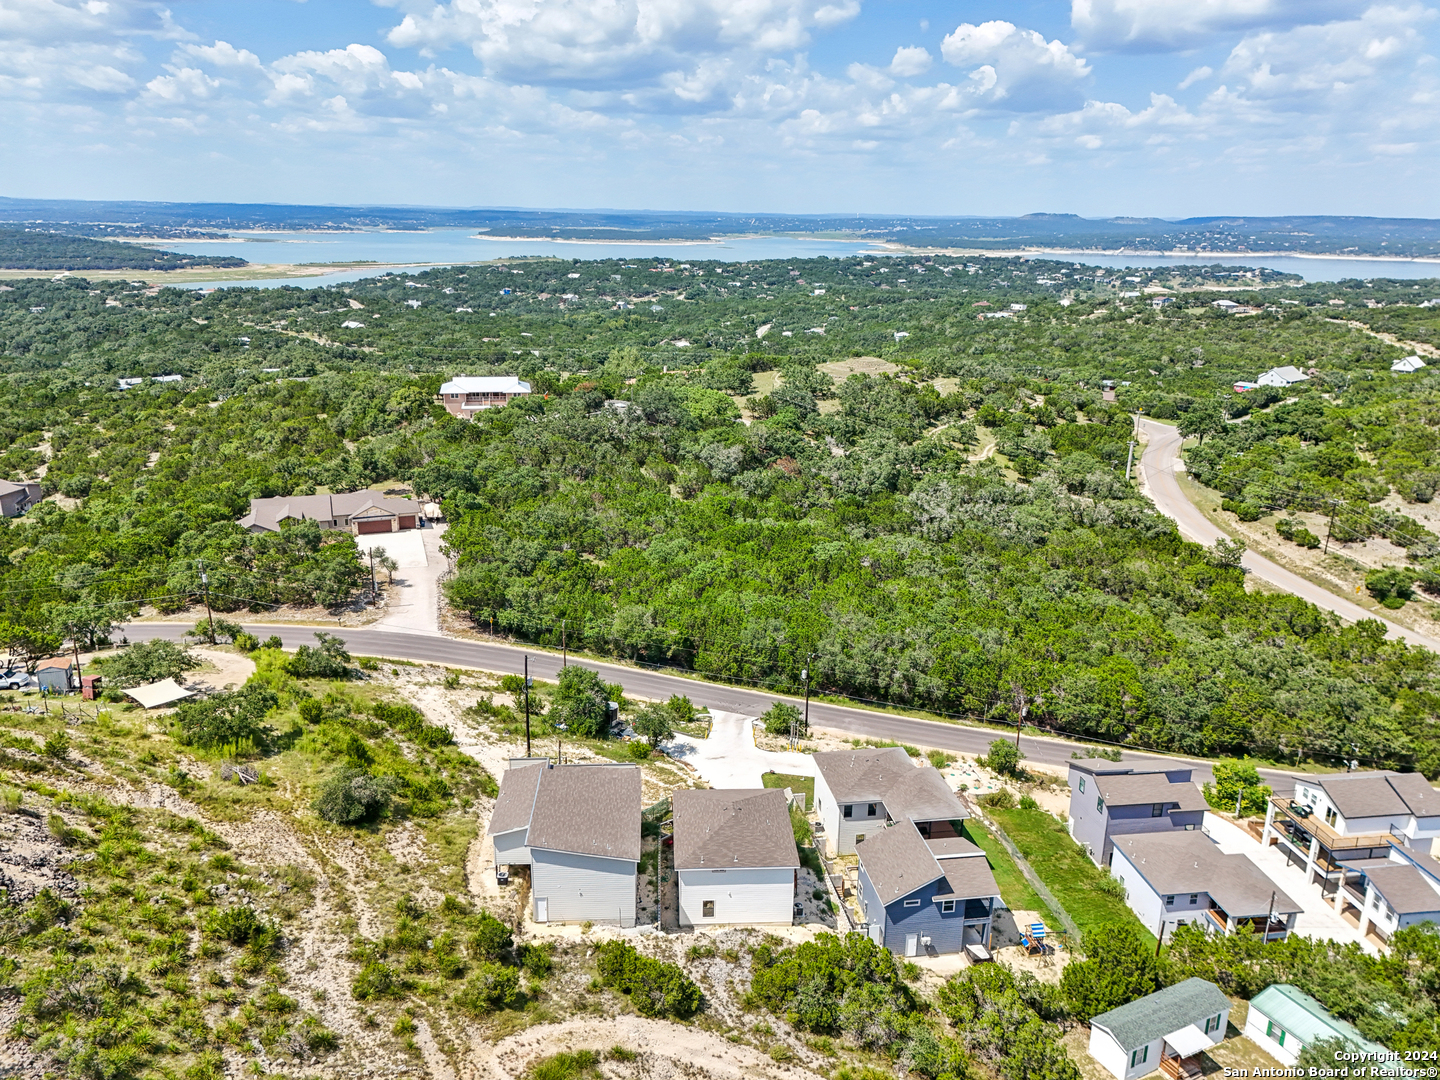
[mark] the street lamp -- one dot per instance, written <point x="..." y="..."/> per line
<point x="560" y="729"/>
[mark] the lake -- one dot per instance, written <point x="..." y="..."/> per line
<point x="449" y="246"/>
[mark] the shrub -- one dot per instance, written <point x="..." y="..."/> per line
<point x="353" y="795"/>
<point x="940" y="759"/>
<point x="1118" y="968"/>
<point x="246" y="642"/>
<point x="1004" y="758"/>
<point x="654" y="987"/>
<point x="1027" y="802"/>
<point x="240" y="925"/>
<point x="581" y="704"/>
<point x="492" y="939"/>
<point x="568" y="1065"/>
<point x="1237" y="780"/>
<point x="311" y="711"/>
<point x="1243" y="510"/>
<point x="536" y="959"/>
<point x="411" y="721"/>
<point x="57" y="746"/>
<point x="376" y="980"/>
<point x="327" y="660"/>
<point x="492" y="987"/>
<point x="780" y="717"/>
<point x="1392" y="586"/>
<point x="149" y="661"/>
<point x="273" y="642"/>
<point x="639" y="751"/>
<point x="999" y="800"/>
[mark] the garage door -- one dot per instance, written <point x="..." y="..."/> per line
<point x="407" y="521"/>
<point x="363" y="527"/>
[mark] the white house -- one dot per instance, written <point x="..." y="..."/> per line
<point x="1283" y="1020"/>
<point x="1282" y="376"/>
<point x="1408" y="365"/>
<point x="735" y="857"/>
<point x="1168" y="1029"/>
<point x="1178" y="878"/>
<point x="859" y="792"/>
<point x="1346" y="828"/>
<point x="577" y="827"/>
<point x="465" y="395"/>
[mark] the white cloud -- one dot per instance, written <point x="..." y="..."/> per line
<point x="613" y="42"/>
<point x="223" y="54"/>
<point x="183" y="85"/>
<point x="1324" y="67"/>
<point x="1200" y="74"/>
<point x="910" y="62"/>
<point x="1015" y="69"/>
<point x="1162" y="25"/>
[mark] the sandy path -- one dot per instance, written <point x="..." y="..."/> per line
<point x="667" y="1051"/>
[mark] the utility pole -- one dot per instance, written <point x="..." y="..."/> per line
<point x="564" y="647"/>
<point x="1160" y="937"/>
<point x="1129" y="459"/>
<point x="805" y="674"/>
<point x="527" y="705"/>
<point x="1330" y="528"/>
<point x="1271" y="916"/>
<point x="374" y="589"/>
<point x="205" y="589"/>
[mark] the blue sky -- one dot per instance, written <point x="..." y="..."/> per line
<point x="1097" y="107"/>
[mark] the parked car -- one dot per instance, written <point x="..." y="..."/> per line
<point x="14" y="680"/>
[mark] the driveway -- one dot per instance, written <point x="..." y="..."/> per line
<point x="1319" y="919"/>
<point x="414" y="605"/>
<point x="729" y="758"/>
<point x="1157" y="473"/>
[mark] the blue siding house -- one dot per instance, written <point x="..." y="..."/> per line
<point x="925" y="897"/>
<point x="1122" y="798"/>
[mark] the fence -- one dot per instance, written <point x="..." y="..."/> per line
<point x="1033" y="878"/>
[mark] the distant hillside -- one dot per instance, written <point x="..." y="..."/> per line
<point x="24" y="249"/>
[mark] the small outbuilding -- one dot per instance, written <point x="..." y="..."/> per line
<point x="1407" y="366"/>
<point x="1283" y="1020"/>
<point x="56" y="676"/>
<point x="1166" y="1030"/>
<point x="735" y="857"/>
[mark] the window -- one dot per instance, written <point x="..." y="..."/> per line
<point x="1082" y="785"/>
<point x="1189" y="828"/>
<point x="1194" y="899"/>
<point x="1275" y="1031"/>
<point x="912" y="903"/>
<point x="1156" y="809"/>
<point x="1169" y="901"/>
<point x="871" y="811"/>
<point x="849" y="811"/>
<point x="1213" y="1023"/>
<point x="947" y="907"/>
<point x="707" y="909"/>
<point x="1138" y="1057"/>
<point x="1330" y="816"/>
<point x="1100" y="804"/>
<point x="859" y="837"/>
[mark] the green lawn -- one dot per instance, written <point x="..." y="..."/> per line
<point x="1014" y="889"/>
<point x="1063" y="865"/>
<point x="794" y="783"/>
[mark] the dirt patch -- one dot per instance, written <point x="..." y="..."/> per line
<point x="222" y="670"/>
<point x="32" y="859"/>
<point x="840" y="370"/>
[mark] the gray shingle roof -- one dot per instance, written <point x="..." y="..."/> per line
<point x="1104" y="766"/>
<point x="897" y="861"/>
<point x="583" y="809"/>
<point x="268" y="513"/>
<point x="1189" y="862"/>
<point x="1404" y="888"/>
<point x="517" y="800"/>
<point x="1378" y="794"/>
<point x="1147" y="789"/>
<point x="715" y="829"/>
<point x="1157" y="1015"/>
<point x="888" y="775"/>
<point x="970" y="878"/>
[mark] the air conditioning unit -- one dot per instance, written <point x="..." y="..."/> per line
<point x="925" y="941"/>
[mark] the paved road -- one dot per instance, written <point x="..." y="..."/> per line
<point x="488" y="656"/>
<point x="1157" y="467"/>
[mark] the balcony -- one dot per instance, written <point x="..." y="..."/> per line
<point x="1181" y="1068"/>
<point x="1218" y="922"/>
<point x="1328" y="837"/>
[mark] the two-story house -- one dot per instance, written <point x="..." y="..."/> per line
<point x="577" y="829"/>
<point x="1119" y="798"/>
<point x="1366" y="838"/>
<point x="465" y="395"/>
<point x="735" y="856"/>
<point x="15" y="499"/>
<point x="859" y="792"/>
<point x="925" y="897"/>
<point x="1178" y="878"/>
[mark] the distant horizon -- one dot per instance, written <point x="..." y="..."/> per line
<point x="1162" y="109"/>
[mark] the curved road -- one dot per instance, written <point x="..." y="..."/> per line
<point x="1157" y="468"/>
<point x="496" y="657"/>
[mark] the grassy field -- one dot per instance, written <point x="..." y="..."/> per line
<point x="1014" y="889"/>
<point x="794" y="783"/>
<point x="1063" y="865"/>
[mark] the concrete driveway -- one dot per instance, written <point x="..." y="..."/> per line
<point x="1318" y="919"/>
<point x="729" y="758"/>
<point x="414" y="605"/>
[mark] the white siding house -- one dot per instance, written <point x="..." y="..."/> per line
<point x="735" y="857"/>
<point x="1283" y="1020"/>
<point x="577" y="828"/>
<point x="860" y="792"/>
<point x="1175" y="1026"/>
